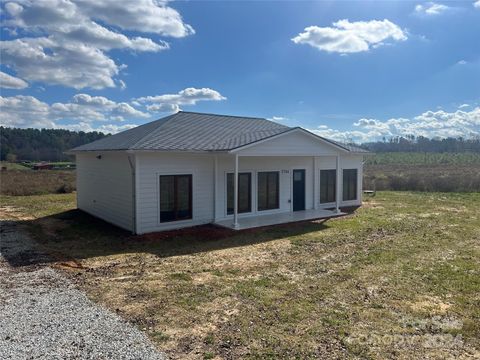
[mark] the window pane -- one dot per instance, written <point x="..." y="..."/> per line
<point x="268" y="190"/>
<point x="244" y="193"/>
<point x="327" y="186"/>
<point x="272" y="190"/>
<point x="262" y="191"/>
<point x="183" y="197"/>
<point x="349" y="184"/>
<point x="167" y="198"/>
<point x="230" y="200"/>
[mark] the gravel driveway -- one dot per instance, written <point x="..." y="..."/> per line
<point x="44" y="316"/>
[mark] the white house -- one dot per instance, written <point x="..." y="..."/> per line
<point x="190" y="168"/>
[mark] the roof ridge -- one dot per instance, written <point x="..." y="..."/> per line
<point x="223" y="115"/>
<point x="164" y="121"/>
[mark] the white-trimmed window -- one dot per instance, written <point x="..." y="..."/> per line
<point x="349" y="184"/>
<point x="268" y="190"/>
<point x="328" y="186"/>
<point x="175" y="197"/>
<point x="244" y="193"/>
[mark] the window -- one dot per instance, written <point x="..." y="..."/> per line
<point x="244" y="193"/>
<point x="328" y="186"/>
<point x="268" y="190"/>
<point x="349" y="184"/>
<point x="175" y="197"/>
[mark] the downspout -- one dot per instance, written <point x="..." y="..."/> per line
<point x="134" y="195"/>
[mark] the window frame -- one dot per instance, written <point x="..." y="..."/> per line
<point x="175" y="207"/>
<point x="277" y="200"/>
<point x="250" y="190"/>
<point x="347" y="177"/>
<point x="328" y="183"/>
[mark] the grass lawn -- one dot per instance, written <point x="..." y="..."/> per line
<point x="13" y="166"/>
<point x="398" y="279"/>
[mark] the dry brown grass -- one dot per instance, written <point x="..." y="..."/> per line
<point x="433" y="177"/>
<point x="379" y="284"/>
<point x="36" y="182"/>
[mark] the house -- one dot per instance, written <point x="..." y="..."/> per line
<point x="191" y="168"/>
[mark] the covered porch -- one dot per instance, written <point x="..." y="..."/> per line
<point x="279" y="218"/>
<point x="294" y="199"/>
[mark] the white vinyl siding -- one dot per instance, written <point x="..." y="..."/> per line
<point x="295" y="143"/>
<point x="150" y="166"/>
<point x="104" y="187"/>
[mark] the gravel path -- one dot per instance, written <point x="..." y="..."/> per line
<point x="44" y="316"/>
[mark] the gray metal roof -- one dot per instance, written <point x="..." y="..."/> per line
<point x="189" y="131"/>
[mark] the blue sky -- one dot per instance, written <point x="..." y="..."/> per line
<point x="347" y="70"/>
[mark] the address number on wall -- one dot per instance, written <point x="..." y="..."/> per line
<point x="285" y="171"/>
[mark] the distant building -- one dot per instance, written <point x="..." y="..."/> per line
<point x="43" y="166"/>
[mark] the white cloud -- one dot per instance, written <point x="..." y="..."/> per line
<point x="107" y="129"/>
<point x="429" y="124"/>
<point x="66" y="41"/>
<point x="476" y="4"/>
<point x="431" y="8"/>
<point x="278" y="118"/>
<point x="28" y="111"/>
<point x="87" y="113"/>
<point x="351" y="37"/>
<point x="171" y="108"/>
<point x="172" y="102"/>
<point x="11" y="82"/>
<point x="463" y="106"/>
<point x="461" y="62"/>
<point x="149" y="16"/>
<point x="24" y="111"/>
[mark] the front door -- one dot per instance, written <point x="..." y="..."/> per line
<point x="298" y="190"/>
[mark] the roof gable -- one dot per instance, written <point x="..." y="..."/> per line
<point x="296" y="141"/>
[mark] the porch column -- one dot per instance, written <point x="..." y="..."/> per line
<point x="314" y="179"/>
<point x="337" y="185"/>
<point x="235" y="194"/>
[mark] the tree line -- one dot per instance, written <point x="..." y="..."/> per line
<point x="50" y="144"/>
<point x="42" y="144"/>
<point x="422" y="144"/>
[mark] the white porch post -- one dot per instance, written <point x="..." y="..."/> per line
<point x="235" y="194"/>
<point x="314" y="179"/>
<point x="337" y="185"/>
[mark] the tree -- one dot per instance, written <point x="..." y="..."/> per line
<point x="44" y="144"/>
